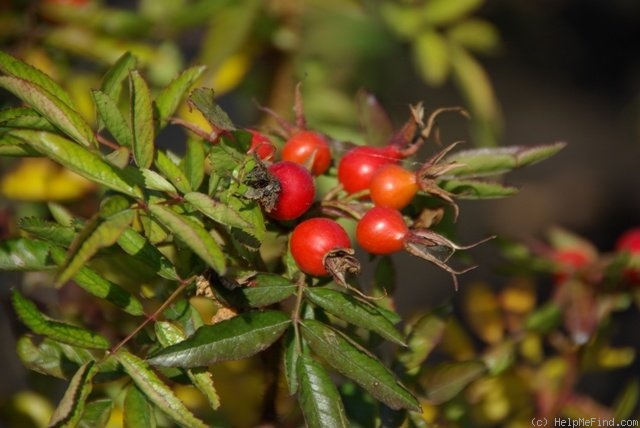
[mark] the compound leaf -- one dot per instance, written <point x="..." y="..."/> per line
<point x="319" y="398"/>
<point x="113" y="119"/>
<point x="157" y="391"/>
<point x="96" y="414"/>
<point x="204" y="100"/>
<point x="446" y="380"/>
<point x="354" y="311"/>
<point x="49" y="231"/>
<point x="217" y="211"/>
<point x="173" y="172"/>
<point x="138" y="412"/>
<point x="112" y="80"/>
<point x="358" y="365"/>
<point x="193" y="162"/>
<point x="21" y="254"/>
<point x="138" y="246"/>
<point x="232" y="339"/>
<point x="25" y="118"/>
<point x="265" y="290"/>
<point x="39" y="323"/>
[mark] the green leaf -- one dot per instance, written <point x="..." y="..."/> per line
<point x="138" y="246"/>
<point x="477" y="189"/>
<point x="96" y="414"/>
<point x="71" y="407"/>
<point x="155" y="181"/>
<point x="119" y="157"/>
<point x="233" y="339"/>
<point x="141" y="120"/>
<point x="545" y="318"/>
<point x="157" y="391"/>
<point x="48" y="231"/>
<point x="438" y="12"/>
<point x="112" y="80"/>
<point x="494" y="161"/>
<point x="170" y="334"/>
<point x="319" y="398"/>
<point x="112" y="117"/>
<point x="99" y="286"/>
<point x="12" y="146"/>
<point x="26" y="118"/>
<point x="475" y="34"/>
<point x="357" y="364"/>
<point x="138" y="412"/>
<point x="265" y="290"/>
<point x="193" y="162"/>
<point x="193" y="235"/>
<point x="29" y="314"/>
<point x="45" y="357"/>
<point x="22" y="254"/>
<point x="204" y="100"/>
<point x="354" y="311"/>
<point x="14" y="67"/>
<point x="290" y="357"/>
<point x="91" y="240"/>
<point x="446" y="380"/>
<point x="424" y="337"/>
<point x="61" y="214"/>
<point x="79" y="160"/>
<point x="627" y="400"/>
<point x="52" y="109"/>
<point x="432" y="56"/>
<point x="170" y="97"/>
<point x="172" y="171"/>
<point x="216" y="210"/>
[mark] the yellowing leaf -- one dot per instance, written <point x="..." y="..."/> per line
<point x="230" y="73"/>
<point x="39" y="179"/>
<point x="482" y="310"/>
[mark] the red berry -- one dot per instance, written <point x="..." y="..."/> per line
<point x="312" y="239"/>
<point x="262" y="145"/>
<point x="629" y="241"/>
<point x="568" y="261"/>
<point x="297" y="190"/>
<point x="301" y="146"/>
<point x="381" y="230"/>
<point x="356" y="168"/>
<point x="393" y="186"/>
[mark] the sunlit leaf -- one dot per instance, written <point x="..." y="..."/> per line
<point x="216" y="210"/>
<point x="476" y="189"/>
<point x="475" y="34"/>
<point x="138" y="246"/>
<point x="432" y="56"/>
<point x="193" y="235"/>
<point x="424" y="337"/>
<point x="94" y="237"/>
<point x="15" y="67"/>
<point x="116" y="75"/>
<point x="170" y="334"/>
<point x="71" y="407"/>
<point x="155" y="181"/>
<point x="232" y="339"/>
<point x="356" y="364"/>
<point x="44" y="357"/>
<point x="51" y="108"/>
<point x="138" y="412"/>
<point x="48" y="230"/>
<point x="79" y="160"/>
<point x="444" y="11"/>
<point x="170" y="97"/>
<point x="24" y="255"/>
<point x="493" y="161"/>
<point x="157" y="391"/>
<point x="96" y="414"/>
<point x="142" y="123"/>
<point x="172" y="172"/>
<point x="204" y="100"/>
<point x="193" y="162"/>
<point x="39" y="323"/>
<point x="113" y="119"/>
<point x="26" y="118"/>
<point x="99" y="286"/>
<point x="354" y="311"/>
<point x="319" y="398"/>
<point x="12" y="146"/>
<point x="446" y="380"/>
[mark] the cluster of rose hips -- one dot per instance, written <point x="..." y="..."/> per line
<point x="373" y="189"/>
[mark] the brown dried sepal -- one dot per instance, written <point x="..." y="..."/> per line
<point x="264" y="187"/>
<point x="339" y="263"/>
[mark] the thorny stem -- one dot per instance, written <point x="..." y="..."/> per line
<point x="183" y="284"/>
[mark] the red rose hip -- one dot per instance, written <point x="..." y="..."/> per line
<point x="312" y="240"/>
<point x="297" y="190"/>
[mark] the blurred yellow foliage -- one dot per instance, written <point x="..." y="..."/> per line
<point x="39" y="179"/>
